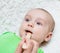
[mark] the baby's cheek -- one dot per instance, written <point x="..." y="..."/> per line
<point x="38" y="39"/>
<point x="34" y="37"/>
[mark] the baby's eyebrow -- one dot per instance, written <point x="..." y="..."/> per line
<point x="28" y="16"/>
<point x="40" y="19"/>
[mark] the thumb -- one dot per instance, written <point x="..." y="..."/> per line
<point x="19" y="48"/>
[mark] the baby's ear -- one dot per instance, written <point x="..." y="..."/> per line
<point x="48" y="37"/>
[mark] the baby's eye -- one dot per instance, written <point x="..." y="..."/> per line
<point x="38" y="23"/>
<point x="27" y="20"/>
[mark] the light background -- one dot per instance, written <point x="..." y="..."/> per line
<point x="12" y="13"/>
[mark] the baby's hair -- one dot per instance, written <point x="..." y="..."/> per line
<point x="53" y="22"/>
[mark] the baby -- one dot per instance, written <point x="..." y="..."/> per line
<point x="39" y="24"/>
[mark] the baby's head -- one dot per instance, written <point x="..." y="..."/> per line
<point x="39" y="23"/>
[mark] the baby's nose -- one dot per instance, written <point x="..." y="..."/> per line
<point x="30" y="24"/>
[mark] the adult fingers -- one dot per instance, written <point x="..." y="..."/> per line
<point x="19" y="48"/>
<point x="36" y="46"/>
<point x="29" y="47"/>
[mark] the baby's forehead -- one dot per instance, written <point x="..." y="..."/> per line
<point x="40" y="14"/>
<point x="38" y="11"/>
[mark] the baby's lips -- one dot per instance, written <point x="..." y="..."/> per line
<point x="28" y="31"/>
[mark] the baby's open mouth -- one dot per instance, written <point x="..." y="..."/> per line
<point x="28" y="31"/>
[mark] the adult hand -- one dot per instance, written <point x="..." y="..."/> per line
<point x="32" y="46"/>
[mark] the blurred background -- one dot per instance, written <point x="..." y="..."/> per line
<point x="12" y="13"/>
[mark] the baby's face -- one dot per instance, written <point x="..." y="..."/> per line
<point x="35" y="22"/>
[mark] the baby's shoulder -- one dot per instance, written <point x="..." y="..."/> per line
<point x="9" y="35"/>
<point x="6" y="33"/>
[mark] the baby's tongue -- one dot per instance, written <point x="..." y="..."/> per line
<point x="28" y="36"/>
